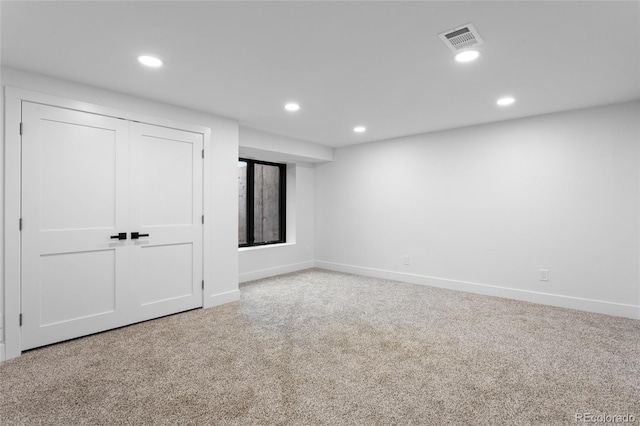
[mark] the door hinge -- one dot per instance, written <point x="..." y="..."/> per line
<point x="203" y="284"/>
<point x="20" y="320"/>
<point x="20" y="224"/>
<point x="203" y="219"/>
<point x="203" y="153"/>
<point x="20" y="128"/>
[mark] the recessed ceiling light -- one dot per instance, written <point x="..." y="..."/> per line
<point x="150" y="61"/>
<point x="467" y="56"/>
<point x="507" y="100"/>
<point x="292" y="106"/>
<point x="359" y="129"/>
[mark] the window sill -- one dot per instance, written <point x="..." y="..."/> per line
<point x="268" y="246"/>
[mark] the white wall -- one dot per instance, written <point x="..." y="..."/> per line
<point x="484" y="208"/>
<point x="222" y="165"/>
<point x="297" y="253"/>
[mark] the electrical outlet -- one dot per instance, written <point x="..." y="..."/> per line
<point x="544" y="275"/>
<point x="406" y="259"/>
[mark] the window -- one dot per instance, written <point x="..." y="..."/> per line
<point x="261" y="202"/>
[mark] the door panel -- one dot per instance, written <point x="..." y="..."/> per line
<point x="74" y="197"/>
<point x="166" y="173"/>
<point x="69" y="277"/>
<point x="164" y="281"/>
<point x="82" y="160"/>
<point x="166" y="203"/>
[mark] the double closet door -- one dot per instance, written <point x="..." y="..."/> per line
<point x="111" y="223"/>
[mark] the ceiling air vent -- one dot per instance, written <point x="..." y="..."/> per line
<point x="460" y="38"/>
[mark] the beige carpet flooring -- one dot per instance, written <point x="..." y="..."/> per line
<point x="325" y="348"/>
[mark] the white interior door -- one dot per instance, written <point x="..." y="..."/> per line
<point x="86" y="179"/>
<point x="166" y="209"/>
<point x="74" y="199"/>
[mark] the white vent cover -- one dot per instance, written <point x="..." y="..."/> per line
<point x="460" y="38"/>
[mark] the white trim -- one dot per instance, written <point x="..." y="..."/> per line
<point x="12" y="161"/>
<point x="207" y="211"/>
<point x="60" y="102"/>
<point x="578" y="303"/>
<point x="278" y="270"/>
<point x="13" y="98"/>
<point x="266" y="246"/>
<point x="222" y="298"/>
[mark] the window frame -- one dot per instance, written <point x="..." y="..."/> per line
<point x="282" y="204"/>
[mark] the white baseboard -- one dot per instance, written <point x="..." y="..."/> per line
<point x="581" y="304"/>
<point x="222" y="298"/>
<point x="278" y="270"/>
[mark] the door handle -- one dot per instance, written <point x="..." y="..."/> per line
<point x="120" y="236"/>
<point x="136" y="235"/>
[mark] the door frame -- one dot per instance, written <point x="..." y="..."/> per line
<point x="13" y="98"/>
